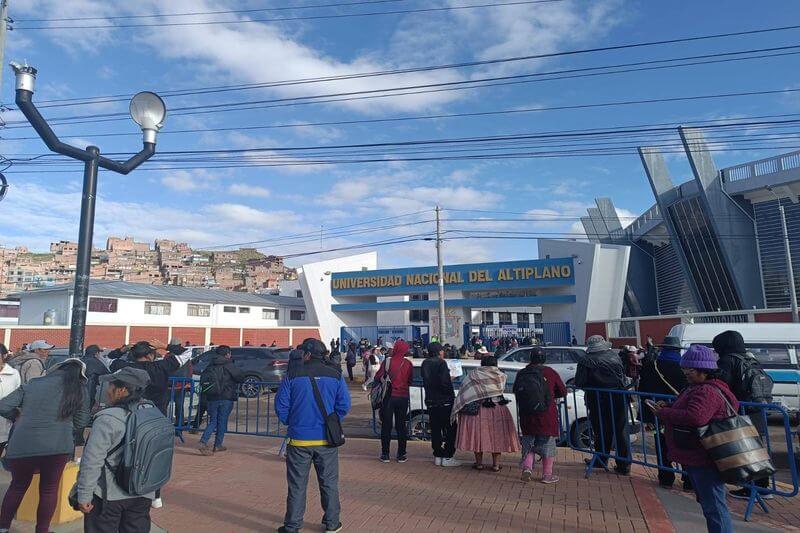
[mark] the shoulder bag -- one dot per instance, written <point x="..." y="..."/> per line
<point x="333" y="425"/>
<point x="735" y="446"/>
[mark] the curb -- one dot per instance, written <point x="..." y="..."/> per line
<point x="653" y="510"/>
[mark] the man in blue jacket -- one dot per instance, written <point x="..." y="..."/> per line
<point x="296" y="408"/>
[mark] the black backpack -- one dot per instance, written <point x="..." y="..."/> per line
<point x="756" y="385"/>
<point x="532" y="392"/>
<point x="212" y="380"/>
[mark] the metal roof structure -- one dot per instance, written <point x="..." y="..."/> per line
<point x="126" y="289"/>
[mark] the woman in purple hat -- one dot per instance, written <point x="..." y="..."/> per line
<point x="699" y="403"/>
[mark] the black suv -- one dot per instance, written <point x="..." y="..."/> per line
<point x="258" y="365"/>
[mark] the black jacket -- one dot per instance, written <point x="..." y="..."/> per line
<point x="436" y="380"/>
<point x="730" y="347"/>
<point x="230" y="378"/>
<point x="650" y="381"/>
<point x="94" y="369"/>
<point x="602" y="370"/>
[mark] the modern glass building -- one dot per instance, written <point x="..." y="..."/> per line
<point x="713" y="243"/>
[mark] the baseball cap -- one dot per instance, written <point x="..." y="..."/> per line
<point x="40" y="345"/>
<point x="92" y="350"/>
<point x="314" y="346"/>
<point x="142" y="348"/>
<point x="134" y="378"/>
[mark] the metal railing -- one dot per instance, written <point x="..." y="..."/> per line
<point x="253" y="411"/>
<point x="761" y="167"/>
<point x="654" y="458"/>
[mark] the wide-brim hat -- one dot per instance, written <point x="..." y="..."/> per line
<point x="671" y="342"/>
<point x="483" y="350"/>
<point x="69" y="361"/>
<point x="596" y="343"/>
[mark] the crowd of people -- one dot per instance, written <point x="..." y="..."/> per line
<point x="47" y="411"/>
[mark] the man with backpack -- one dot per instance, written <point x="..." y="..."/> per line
<point x="31" y="363"/>
<point x="608" y="411"/>
<point x="219" y="382"/>
<point x="95" y="367"/>
<point x="112" y="493"/>
<point x="536" y="388"/>
<point x="303" y="394"/>
<point x="439" y="398"/>
<point x="748" y="381"/>
<point x="395" y="375"/>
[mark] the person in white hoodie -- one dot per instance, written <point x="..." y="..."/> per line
<point x="9" y="382"/>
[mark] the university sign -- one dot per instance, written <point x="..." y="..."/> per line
<point x="505" y="275"/>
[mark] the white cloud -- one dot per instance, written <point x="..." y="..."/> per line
<point x="188" y="181"/>
<point x="243" y="189"/>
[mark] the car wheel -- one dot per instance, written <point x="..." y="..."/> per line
<point x="580" y="434"/>
<point x="250" y="387"/>
<point x="419" y="427"/>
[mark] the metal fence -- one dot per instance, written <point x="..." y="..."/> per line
<point x="253" y="412"/>
<point x="654" y="456"/>
<point x="388" y="334"/>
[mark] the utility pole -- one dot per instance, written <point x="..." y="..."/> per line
<point x="3" y="29"/>
<point x="789" y="269"/>
<point x="440" y="264"/>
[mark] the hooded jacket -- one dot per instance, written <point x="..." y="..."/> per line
<point x="297" y="408"/>
<point x="731" y="349"/>
<point x="226" y="372"/>
<point x="401" y="371"/>
<point x="29" y="365"/>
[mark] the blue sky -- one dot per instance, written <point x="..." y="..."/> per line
<point x="221" y="206"/>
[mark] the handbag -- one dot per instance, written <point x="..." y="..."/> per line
<point x="735" y="447"/>
<point x="381" y="390"/>
<point x="333" y="425"/>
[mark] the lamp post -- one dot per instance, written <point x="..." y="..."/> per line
<point x="148" y="111"/>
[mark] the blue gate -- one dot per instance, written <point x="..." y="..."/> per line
<point x="388" y="334"/>
<point x="557" y="333"/>
<point x="551" y="333"/>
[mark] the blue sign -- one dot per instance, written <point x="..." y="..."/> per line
<point x="478" y="276"/>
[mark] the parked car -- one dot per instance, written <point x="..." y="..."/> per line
<point x="56" y="356"/>
<point x="258" y="364"/>
<point x="562" y="359"/>
<point x="571" y="409"/>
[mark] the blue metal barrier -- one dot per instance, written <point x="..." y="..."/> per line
<point x="601" y="455"/>
<point x="250" y="416"/>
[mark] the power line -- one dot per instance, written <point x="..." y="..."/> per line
<point x="290" y="19"/>
<point x="223" y="12"/>
<point x="440" y="67"/>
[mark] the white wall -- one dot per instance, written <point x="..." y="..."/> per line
<point x="316" y="287"/>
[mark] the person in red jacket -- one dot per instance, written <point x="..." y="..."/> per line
<point x="706" y="398"/>
<point x="539" y="428"/>
<point x="395" y="407"/>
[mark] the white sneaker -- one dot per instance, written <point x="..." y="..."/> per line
<point x="437" y="461"/>
<point x="157" y="503"/>
<point x="449" y="461"/>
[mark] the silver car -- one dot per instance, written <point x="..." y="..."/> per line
<point x="562" y="359"/>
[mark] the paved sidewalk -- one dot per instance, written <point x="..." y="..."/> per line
<point x="244" y="490"/>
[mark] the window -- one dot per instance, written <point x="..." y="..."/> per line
<point x="554" y="356"/>
<point x="198" y="310"/>
<point x="419" y="315"/>
<point x="244" y="309"/>
<point x="269" y="314"/>
<point x="523" y="319"/>
<point x="157" y="308"/>
<point x="487" y="317"/>
<point x="298" y="293"/>
<point x="103" y="305"/>
<point x="522" y="356"/>
<point x="297" y="315"/>
<point x="504" y="318"/>
<point x="771" y="355"/>
<point x="229" y="309"/>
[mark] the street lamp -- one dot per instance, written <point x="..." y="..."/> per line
<point x="148" y="111"/>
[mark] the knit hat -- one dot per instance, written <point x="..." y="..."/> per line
<point x="596" y="343"/>
<point x="700" y="357"/>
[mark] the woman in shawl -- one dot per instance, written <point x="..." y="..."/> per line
<point x="485" y="424"/>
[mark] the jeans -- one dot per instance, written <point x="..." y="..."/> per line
<point x="394" y="409"/>
<point x="443" y="433"/>
<point x="710" y="491"/>
<point x="125" y="516"/>
<point x="218" y="413"/>
<point x="298" y="466"/>
<point x="350" y="370"/>
<point x="50" y="468"/>
<point x="608" y="415"/>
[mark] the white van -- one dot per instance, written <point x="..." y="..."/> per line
<point x="775" y="345"/>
